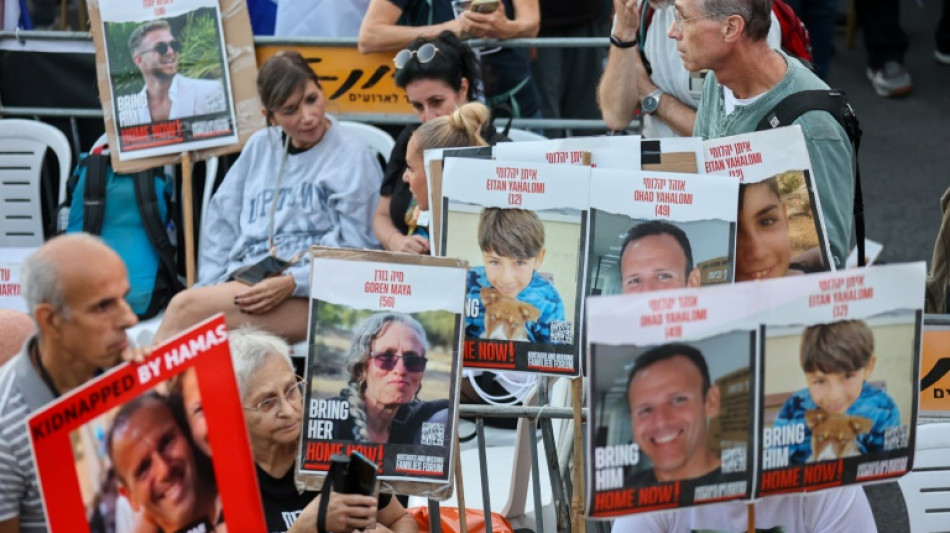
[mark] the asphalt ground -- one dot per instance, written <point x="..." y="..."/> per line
<point x="905" y="152"/>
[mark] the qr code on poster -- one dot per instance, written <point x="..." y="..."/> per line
<point x="733" y="460"/>
<point x="895" y="437"/>
<point x="433" y="433"/>
<point x="562" y="332"/>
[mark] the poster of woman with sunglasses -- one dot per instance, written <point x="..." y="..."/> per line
<point x="168" y="78"/>
<point x="384" y="361"/>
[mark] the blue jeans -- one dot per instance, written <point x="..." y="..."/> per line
<point x="819" y="19"/>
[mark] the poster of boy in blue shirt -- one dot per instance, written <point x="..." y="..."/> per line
<point x="512" y="246"/>
<point x="838" y="359"/>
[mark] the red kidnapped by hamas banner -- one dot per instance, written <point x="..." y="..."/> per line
<point x="104" y="441"/>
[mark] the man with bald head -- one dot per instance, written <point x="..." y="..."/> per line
<point x="75" y="288"/>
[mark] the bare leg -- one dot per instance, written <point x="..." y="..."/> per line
<point x="187" y="308"/>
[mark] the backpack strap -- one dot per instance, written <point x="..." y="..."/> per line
<point x="94" y="194"/>
<point x="836" y="103"/>
<point x="152" y="222"/>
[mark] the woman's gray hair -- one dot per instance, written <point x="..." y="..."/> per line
<point x="39" y="278"/>
<point x="757" y="14"/>
<point x="250" y="349"/>
<point x="358" y="356"/>
<point x="367" y="331"/>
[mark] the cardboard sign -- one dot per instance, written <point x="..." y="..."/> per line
<point x="134" y="412"/>
<point x="384" y="366"/>
<point x="781" y="230"/>
<point x="524" y="301"/>
<point x="752" y="389"/>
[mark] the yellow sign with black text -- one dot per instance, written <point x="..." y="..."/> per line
<point x="935" y="373"/>
<point x="352" y="82"/>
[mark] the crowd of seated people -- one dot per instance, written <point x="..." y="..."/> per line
<point x="352" y="202"/>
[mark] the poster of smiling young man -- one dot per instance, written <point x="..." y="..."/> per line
<point x="781" y="229"/>
<point x="659" y="230"/>
<point x="841" y="354"/>
<point x="383" y="367"/>
<point x="523" y="227"/>
<point x="168" y="76"/>
<point x="672" y="394"/>
<point x="156" y="446"/>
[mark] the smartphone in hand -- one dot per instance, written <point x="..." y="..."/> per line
<point x="265" y="268"/>
<point x="484" y="6"/>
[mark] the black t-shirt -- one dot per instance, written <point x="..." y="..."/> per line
<point x="398" y="190"/>
<point x="556" y="14"/>
<point x="283" y="504"/>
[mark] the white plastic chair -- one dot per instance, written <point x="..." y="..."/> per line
<point x="516" y="135"/>
<point x="926" y="490"/>
<point x="23" y="145"/>
<point x="378" y="139"/>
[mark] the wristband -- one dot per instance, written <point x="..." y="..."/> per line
<point x="614" y="40"/>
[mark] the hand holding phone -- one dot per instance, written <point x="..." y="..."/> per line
<point x="484" y="6"/>
<point x="252" y="274"/>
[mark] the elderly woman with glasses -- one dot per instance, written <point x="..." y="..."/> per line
<point x="439" y="76"/>
<point x="273" y="400"/>
<point x="386" y="363"/>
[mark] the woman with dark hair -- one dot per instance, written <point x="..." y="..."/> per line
<point x="439" y="76"/>
<point x="302" y="181"/>
<point x="763" y="249"/>
<point x="385" y="364"/>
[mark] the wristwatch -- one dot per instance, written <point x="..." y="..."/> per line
<point x="614" y="40"/>
<point x="651" y="102"/>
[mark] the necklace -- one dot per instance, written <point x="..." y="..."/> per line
<point x="44" y="375"/>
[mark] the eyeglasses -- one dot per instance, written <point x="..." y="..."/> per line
<point x="424" y="54"/>
<point x="414" y="363"/>
<point x="162" y="47"/>
<point x="679" y="20"/>
<point x="293" y="395"/>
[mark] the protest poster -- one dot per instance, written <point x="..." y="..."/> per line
<point x="659" y="230"/>
<point x="174" y="78"/>
<point x="383" y="367"/>
<point x="621" y="151"/>
<point x="840" y="377"/>
<point x="935" y="372"/>
<point x="523" y="228"/>
<point x="672" y="154"/>
<point x="781" y="230"/>
<point x="11" y="292"/>
<point x="812" y="384"/>
<point x="98" y="444"/>
<point x="671" y="399"/>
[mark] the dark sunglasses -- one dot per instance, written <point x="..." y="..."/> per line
<point x="387" y="361"/>
<point x="162" y="48"/>
<point x="424" y="54"/>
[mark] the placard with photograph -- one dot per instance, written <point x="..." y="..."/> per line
<point x="935" y="372"/>
<point x="840" y="372"/>
<point x="523" y="227"/>
<point x="168" y="76"/>
<point x="673" y="154"/>
<point x="672" y="394"/>
<point x="129" y="442"/>
<point x="781" y="230"/>
<point x="383" y="367"/>
<point x="659" y="230"/>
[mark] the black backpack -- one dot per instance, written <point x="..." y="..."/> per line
<point x="134" y="214"/>
<point x="836" y="103"/>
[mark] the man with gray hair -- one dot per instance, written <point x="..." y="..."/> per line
<point x="748" y="79"/>
<point x="75" y="288"/>
<point x="168" y="95"/>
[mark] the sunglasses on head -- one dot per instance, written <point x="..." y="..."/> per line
<point x="424" y="54"/>
<point x="387" y="361"/>
<point x="162" y="47"/>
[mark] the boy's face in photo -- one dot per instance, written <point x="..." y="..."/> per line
<point x="508" y="274"/>
<point x="835" y="392"/>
